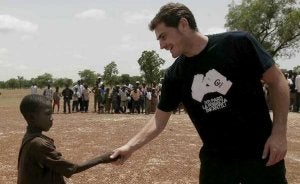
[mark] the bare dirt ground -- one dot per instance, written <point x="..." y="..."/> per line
<point x="172" y="158"/>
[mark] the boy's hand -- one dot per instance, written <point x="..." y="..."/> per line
<point x="106" y="158"/>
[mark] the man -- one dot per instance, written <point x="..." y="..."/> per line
<point x="95" y="90"/>
<point x="218" y="80"/>
<point x="67" y="93"/>
<point x="80" y="88"/>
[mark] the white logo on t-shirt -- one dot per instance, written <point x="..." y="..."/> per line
<point x="212" y="82"/>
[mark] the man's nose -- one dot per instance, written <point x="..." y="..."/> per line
<point x="162" y="45"/>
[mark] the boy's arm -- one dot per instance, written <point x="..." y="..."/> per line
<point x="47" y="156"/>
<point x="105" y="158"/>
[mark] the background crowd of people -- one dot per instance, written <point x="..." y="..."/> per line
<point x="293" y="80"/>
<point x="294" y="84"/>
<point x="124" y="98"/>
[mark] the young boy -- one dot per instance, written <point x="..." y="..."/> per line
<point x="56" y="99"/>
<point x="39" y="161"/>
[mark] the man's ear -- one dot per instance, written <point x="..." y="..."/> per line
<point x="183" y="24"/>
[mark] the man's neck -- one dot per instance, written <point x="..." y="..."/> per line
<point x="198" y="42"/>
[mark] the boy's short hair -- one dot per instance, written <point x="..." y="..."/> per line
<point x="171" y="13"/>
<point x="32" y="103"/>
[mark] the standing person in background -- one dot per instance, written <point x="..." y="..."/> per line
<point x="99" y="81"/>
<point x="291" y="84"/>
<point x="75" y="100"/>
<point x="292" y="76"/>
<point x="67" y="93"/>
<point x="154" y="100"/>
<point x="142" y="102"/>
<point x="33" y="88"/>
<point x="123" y="97"/>
<point x="135" y="97"/>
<point x="218" y="80"/>
<point x="107" y="101"/>
<point x="48" y="92"/>
<point x="297" y="88"/>
<point x="115" y="99"/>
<point x="101" y="99"/>
<point x="86" y="98"/>
<point x="96" y="92"/>
<point x="56" y="99"/>
<point x="79" y="87"/>
<point x="148" y="100"/>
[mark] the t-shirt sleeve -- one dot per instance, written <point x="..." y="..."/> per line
<point x="170" y="95"/>
<point x="257" y="58"/>
<point x="47" y="156"/>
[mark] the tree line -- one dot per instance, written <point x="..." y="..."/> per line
<point x="150" y="68"/>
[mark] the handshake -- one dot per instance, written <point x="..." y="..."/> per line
<point x="212" y="82"/>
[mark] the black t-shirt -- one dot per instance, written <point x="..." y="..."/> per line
<point x="223" y="94"/>
<point x="67" y="93"/>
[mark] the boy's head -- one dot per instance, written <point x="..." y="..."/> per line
<point x="37" y="111"/>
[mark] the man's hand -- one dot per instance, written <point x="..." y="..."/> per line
<point x="275" y="148"/>
<point x="121" y="154"/>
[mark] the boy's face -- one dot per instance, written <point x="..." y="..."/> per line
<point x="43" y="118"/>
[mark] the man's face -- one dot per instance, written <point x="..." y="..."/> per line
<point x="43" y="118"/>
<point x="169" y="38"/>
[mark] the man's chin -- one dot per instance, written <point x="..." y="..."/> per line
<point x="175" y="56"/>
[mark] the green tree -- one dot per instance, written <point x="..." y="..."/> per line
<point x="297" y="69"/>
<point x="150" y="63"/>
<point x="20" y="80"/>
<point x="125" y="78"/>
<point x="110" y="74"/>
<point x="135" y="78"/>
<point x="2" y="85"/>
<point x="12" y="83"/>
<point x="43" y="80"/>
<point x="88" y="77"/>
<point x="61" y="82"/>
<point x="26" y="83"/>
<point x="274" y="23"/>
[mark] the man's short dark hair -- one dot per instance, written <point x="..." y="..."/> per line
<point x="171" y="13"/>
<point x="32" y="103"/>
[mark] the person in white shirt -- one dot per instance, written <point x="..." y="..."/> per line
<point x="34" y="89"/>
<point x="48" y="92"/>
<point x="80" y="88"/>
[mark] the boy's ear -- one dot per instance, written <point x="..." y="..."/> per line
<point x="30" y="117"/>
